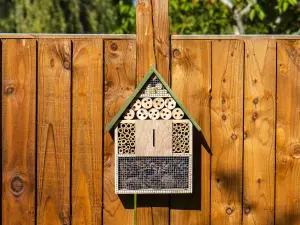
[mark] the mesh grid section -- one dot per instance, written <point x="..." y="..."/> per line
<point x="154" y="174"/>
<point x="154" y="88"/>
<point x="181" y="137"/>
<point x="126" y="138"/>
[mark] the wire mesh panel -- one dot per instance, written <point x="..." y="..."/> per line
<point x="154" y="175"/>
<point x="154" y="88"/>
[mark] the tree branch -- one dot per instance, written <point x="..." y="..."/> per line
<point x="238" y="14"/>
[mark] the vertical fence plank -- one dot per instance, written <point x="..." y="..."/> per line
<point x="119" y="83"/>
<point x="152" y="36"/>
<point x="54" y="83"/>
<point x="259" y="131"/>
<point x="227" y="131"/>
<point x="288" y="133"/>
<point x="87" y="107"/>
<point x="191" y="82"/>
<point x="153" y="43"/>
<point x="18" y="131"/>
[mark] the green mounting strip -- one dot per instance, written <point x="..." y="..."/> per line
<point x="134" y="213"/>
<point x="137" y="90"/>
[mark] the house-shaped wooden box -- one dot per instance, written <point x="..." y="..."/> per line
<point x="153" y="135"/>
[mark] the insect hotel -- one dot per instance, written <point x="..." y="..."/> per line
<point x="153" y="141"/>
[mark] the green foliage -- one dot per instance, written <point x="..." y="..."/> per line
<point x="125" y="18"/>
<point x="217" y="17"/>
<point x="57" y="16"/>
<point x="186" y="16"/>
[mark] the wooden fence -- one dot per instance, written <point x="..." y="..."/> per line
<point x="60" y="91"/>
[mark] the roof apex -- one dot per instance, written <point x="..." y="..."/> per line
<point x="137" y="90"/>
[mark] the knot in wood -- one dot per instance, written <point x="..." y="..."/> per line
<point x="176" y="53"/>
<point x="245" y="135"/>
<point x="17" y="185"/>
<point x="255" y="101"/>
<point x="296" y="151"/>
<point x="10" y="89"/>
<point x="233" y="137"/>
<point x="223" y="117"/>
<point x="114" y="46"/>
<point x="255" y="115"/>
<point x="229" y="211"/>
<point x="258" y="180"/>
<point x="247" y="210"/>
<point x="141" y="3"/>
<point x="66" y="65"/>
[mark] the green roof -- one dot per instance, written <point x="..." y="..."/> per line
<point x="137" y="90"/>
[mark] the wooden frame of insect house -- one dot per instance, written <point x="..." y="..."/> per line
<point x="153" y="135"/>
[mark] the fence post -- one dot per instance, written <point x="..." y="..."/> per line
<point x="153" y="47"/>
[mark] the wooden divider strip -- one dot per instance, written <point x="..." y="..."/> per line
<point x="227" y="131"/>
<point x="259" y="132"/>
<point x="191" y="82"/>
<point x="119" y="83"/>
<point x="54" y="101"/>
<point x="87" y="107"/>
<point x="18" y="131"/>
<point x="288" y="133"/>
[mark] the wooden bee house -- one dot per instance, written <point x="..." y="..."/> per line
<point x="153" y="141"/>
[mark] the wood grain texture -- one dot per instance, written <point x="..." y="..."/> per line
<point x="259" y="132"/>
<point x="54" y="101"/>
<point x="153" y="44"/>
<point x="87" y="107"/>
<point x="288" y="133"/>
<point x="191" y="82"/>
<point x="18" y="131"/>
<point x="66" y="36"/>
<point x="120" y="80"/>
<point x="158" y="143"/>
<point x="152" y="36"/>
<point x="235" y="37"/>
<point x="227" y="131"/>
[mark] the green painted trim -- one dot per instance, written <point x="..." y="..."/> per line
<point x="135" y="205"/>
<point x="137" y="90"/>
